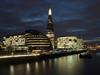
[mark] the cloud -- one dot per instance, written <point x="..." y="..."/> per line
<point x="90" y="40"/>
<point x="70" y="17"/>
<point x="76" y="30"/>
<point x="10" y="20"/>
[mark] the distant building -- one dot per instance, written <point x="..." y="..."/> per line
<point x="50" y="30"/>
<point x="32" y="41"/>
<point x="66" y="42"/>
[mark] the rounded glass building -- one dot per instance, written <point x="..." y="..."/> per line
<point x="37" y="41"/>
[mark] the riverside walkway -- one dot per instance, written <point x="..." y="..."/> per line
<point x="37" y="54"/>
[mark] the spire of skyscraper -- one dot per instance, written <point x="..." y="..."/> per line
<point x="50" y="13"/>
<point x="50" y="30"/>
<point x="50" y="23"/>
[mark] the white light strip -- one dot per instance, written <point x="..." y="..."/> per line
<point x="19" y="55"/>
<point x="5" y="56"/>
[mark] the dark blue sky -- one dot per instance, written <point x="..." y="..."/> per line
<point x="80" y="18"/>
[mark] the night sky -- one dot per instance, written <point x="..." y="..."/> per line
<point x="79" y="18"/>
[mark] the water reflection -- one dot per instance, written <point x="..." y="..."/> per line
<point x="36" y="67"/>
<point x="64" y="58"/>
<point x="70" y="65"/>
<point x="55" y="63"/>
<point x="69" y="59"/>
<point x="55" y="60"/>
<point x="43" y="65"/>
<point x="50" y="63"/>
<point x="11" y="70"/>
<point x="59" y="58"/>
<point x="28" y="69"/>
<point x="66" y="65"/>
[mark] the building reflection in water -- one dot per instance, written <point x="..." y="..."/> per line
<point x="59" y="58"/>
<point x="43" y="65"/>
<point x="50" y="63"/>
<point x="11" y="70"/>
<point x="55" y="60"/>
<point x="64" y="59"/>
<point x="36" y="67"/>
<point x="70" y="60"/>
<point x="56" y="63"/>
<point x="70" y="65"/>
<point x="28" y="69"/>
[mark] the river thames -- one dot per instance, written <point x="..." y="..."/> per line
<point x="66" y="65"/>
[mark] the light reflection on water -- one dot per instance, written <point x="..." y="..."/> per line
<point x="66" y="65"/>
<point x="11" y="70"/>
<point x="70" y="65"/>
<point x="27" y="68"/>
<point x="50" y="63"/>
<point x="36" y="67"/>
<point x="43" y="64"/>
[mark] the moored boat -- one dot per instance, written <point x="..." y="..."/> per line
<point x="85" y="56"/>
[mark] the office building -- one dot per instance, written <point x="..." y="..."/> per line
<point x="69" y="42"/>
<point x="31" y="41"/>
<point x="14" y="43"/>
<point x="50" y="30"/>
<point x="37" y="41"/>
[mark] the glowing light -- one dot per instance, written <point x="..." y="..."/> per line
<point x="31" y="31"/>
<point x="36" y="67"/>
<point x="43" y="65"/>
<point x="5" y="56"/>
<point x="50" y="13"/>
<point x="27" y="68"/>
<point x="69" y="42"/>
<point x="11" y="70"/>
<point x="11" y="67"/>
<point x="58" y="43"/>
<point x="49" y="63"/>
<point x="19" y="56"/>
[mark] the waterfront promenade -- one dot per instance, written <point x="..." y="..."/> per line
<point x="13" y="58"/>
<point x="63" y="65"/>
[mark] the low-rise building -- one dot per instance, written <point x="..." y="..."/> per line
<point x="14" y="43"/>
<point x="31" y="40"/>
<point x="69" y="42"/>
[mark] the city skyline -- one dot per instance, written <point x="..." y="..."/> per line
<point x="70" y="17"/>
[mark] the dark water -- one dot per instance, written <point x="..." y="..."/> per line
<point x="66" y="65"/>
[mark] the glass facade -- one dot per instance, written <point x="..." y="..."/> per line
<point x="67" y="42"/>
<point x="14" y="43"/>
<point x="37" y="41"/>
<point x="50" y="30"/>
<point x="31" y="40"/>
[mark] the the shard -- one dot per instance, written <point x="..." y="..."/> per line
<point x="50" y="30"/>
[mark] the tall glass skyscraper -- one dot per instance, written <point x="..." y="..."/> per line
<point x="50" y="30"/>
